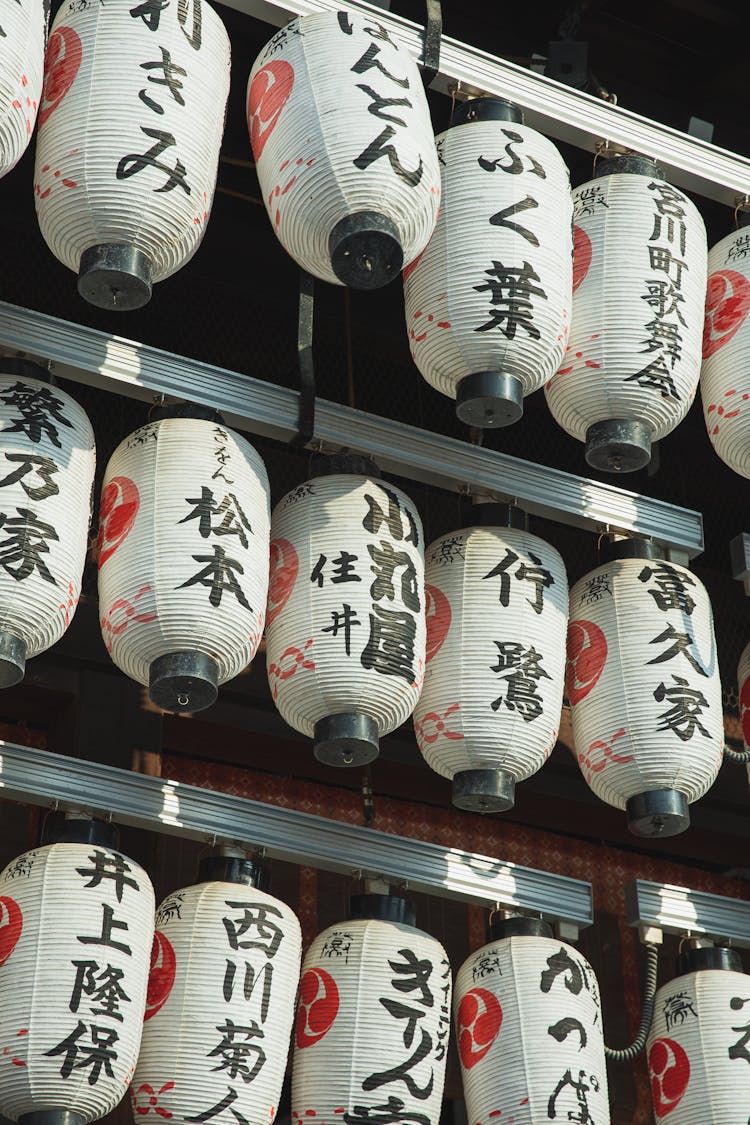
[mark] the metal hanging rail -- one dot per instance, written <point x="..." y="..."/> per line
<point x="655" y="907"/>
<point x="551" y="107"/>
<point x="40" y="777"/>
<point x="137" y="370"/>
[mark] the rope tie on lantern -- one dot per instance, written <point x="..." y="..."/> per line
<point x="647" y="1011"/>
<point x="741" y="757"/>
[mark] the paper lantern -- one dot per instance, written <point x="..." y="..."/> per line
<point x="221" y="999"/>
<point x="343" y="148"/>
<point x="129" y="135"/>
<point x="497" y="616"/>
<point x="22" y="31"/>
<point x="76" y="927"/>
<point x="639" y="282"/>
<point x="725" y="374"/>
<point x="373" y="1019"/>
<point x="743" y="685"/>
<point x="488" y="302"/>
<point x="345" y="630"/>
<point x="529" y="1030"/>
<point x="183" y="556"/>
<point x="644" y="688"/>
<point x="698" y="1044"/>
<point x="47" y="460"/>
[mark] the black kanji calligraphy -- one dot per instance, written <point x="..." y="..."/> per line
<point x="678" y="1008"/>
<point x="557" y="964"/>
<point x="386" y="561"/>
<point x="369" y="60"/>
<point x="502" y="218"/>
<point x="98" y="1054"/>
<point x="655" y="376"/>
<point x="391" y="1112"/>
<point x="390" y="646"/>
<point x="215" y="1110"/>
<point x="682" y="645"/>
<point x="521" y="668"/>
<point x="537" y="575"/>
<point x="515" y="165"/>
<point x="102" y="988"/>
<point x="683" y="717"/>
<point x="342" y="569"/>
<point x="109" y="923"/>
<point x="511" y="289"/>
<point x="239" y="1052"/>
<point x="251" y="980"/>
<point x="671" y="587"/>
<point x="108" y="865"/>
<point x="27" y="463"/>
<point x="205" y="507"/>
<point x="195" y="35"/>
<point x="150" y="12"/>
<point x="393" y="518"/>
<point x="38" y="408"/>
<point x="136" y="162"/>
<point x="219" y="575"/>
<point x="580" y="1087"/>
<point x="343" y="621"/>
<point x="255" y="926"/>
<point x="171" y="73"/>
<point x="562" y="1029"/>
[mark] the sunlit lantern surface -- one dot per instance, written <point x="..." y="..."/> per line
<point x="497" y="616"/>
<point x="343" y="148"/>
<point x="373" y="1019"/>
<point x="129" y="133"/>
<point x="47" y="461"/>
<point x="345" y="631"/>
<point x="632" y="363"/>
<point x="488" y="302"/>
<point x="644" y="688"/>
<point x="697" y="1047"/>
<point x="725" y="374"/>
<point x="184" y="524"/>
<point x="22" y="32"/>
<point x="76" y="927"/>
<point x="529" y="1030"/>
<point x="221" y="999"/>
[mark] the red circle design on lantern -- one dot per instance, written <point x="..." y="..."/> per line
<point x="582" y="252"/>
<point x="162" y="974"/>
<point x="117" y="512"/>
<point x="317" y="1008"/>
<point x="479" y="1019"/>
<point x="284" y="568"/>
<point x="745" y="710"/>
<point x="269" y="92"/>
<point x="669" y="1073"/>
<point x="438" y="617"/>
<point x="407" y="271"/>
<point x="62" y="61"/>
<point x="587" y="655"/>
<point x="11" y="924"/>
<point x="727" y="305"/>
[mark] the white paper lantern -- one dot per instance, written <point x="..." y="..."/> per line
<point x="488" y="302"/>
<point x="725" y="374"/>
<point x="76" y="927"/>
<point x="644" y="688"/>
<point x="529" y="1031"/>
<point x="183" y="556"/>
<point x="639" y="283"/>
<point x="343" y="147"/>
<point x="221" y="999"/>
<point x="373" y="1019"/>
<point x="22" y="31"/>
<point x="345" y="630"/>
<point x="129" y="135"/>
<point x="47" y="461"/>
<point x="497" y="616"/>
<point x="698" y="1044"/>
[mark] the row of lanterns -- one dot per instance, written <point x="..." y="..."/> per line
<point x="205" y="1035"/>
<point x="501" y="299"/>
<point x="360" y="632"/>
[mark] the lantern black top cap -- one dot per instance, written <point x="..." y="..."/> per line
<point x="59" y="829"/>
<point x="630" y="163"/>
<point x="708" y="957"/>
<point x="518" y="926"/>
<point x="233" y="869"/>
<point x="494" y="513"/>
<point x="345" y="461"/>
<point x="487" y="109"/>
<point x="637" y="547"/>
<point x="386" y="908"/>
<point x="743" y="216"/>
<point x="24" y="369"/>
<point x="185" y="410"/>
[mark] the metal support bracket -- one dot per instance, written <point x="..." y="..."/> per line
<point x="306" y="414"/>
<point x="663" y="907"/>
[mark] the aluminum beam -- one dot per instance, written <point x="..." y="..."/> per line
<point x="551" y="107"/>
<point x="677" y="910"/>
<point x="40" y="777"/>
<point x="137" y="370"/>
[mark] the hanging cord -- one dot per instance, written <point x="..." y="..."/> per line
<point x="741" y="757"/>
<point x="647" y="1011"/>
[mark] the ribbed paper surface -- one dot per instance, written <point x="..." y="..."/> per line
<point x="221" y="1004"/>
<point x="372" y="1026"/>
<point x="529" y="1034"/>
<point x="643" y="681"/>
<point x="725" y="374"/>
<point x="71" y="1010"/>
<point x="345" y="624"/>
<point x="497" y="616"/>
<point x="21" y="69"/>
<point x="47" y="461"/>
<point x="130" y="129"/>
<point x="183" y="546"/>
<point x="639" y="284"/>
<point x="697" y="1049"/>
<point x="324" y="90"/>
<point x="492" y="291"/>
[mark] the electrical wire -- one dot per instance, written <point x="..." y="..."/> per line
<point x="647" y="1011"/>
<point x="741" y="757"/>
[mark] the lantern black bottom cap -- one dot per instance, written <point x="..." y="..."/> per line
<point x="365" y="250"/>
<point x="115" y="276"/>
<point x="348" y="739"/>
<point x="618" y="445"/>
<point x="183" y="681"/>
<point x="662" y="812"/>
<point x="12" y="659"/>
<point x="484" y="791"/>
<point x="52" y="1117"/>
<point x="489" y="400"/>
